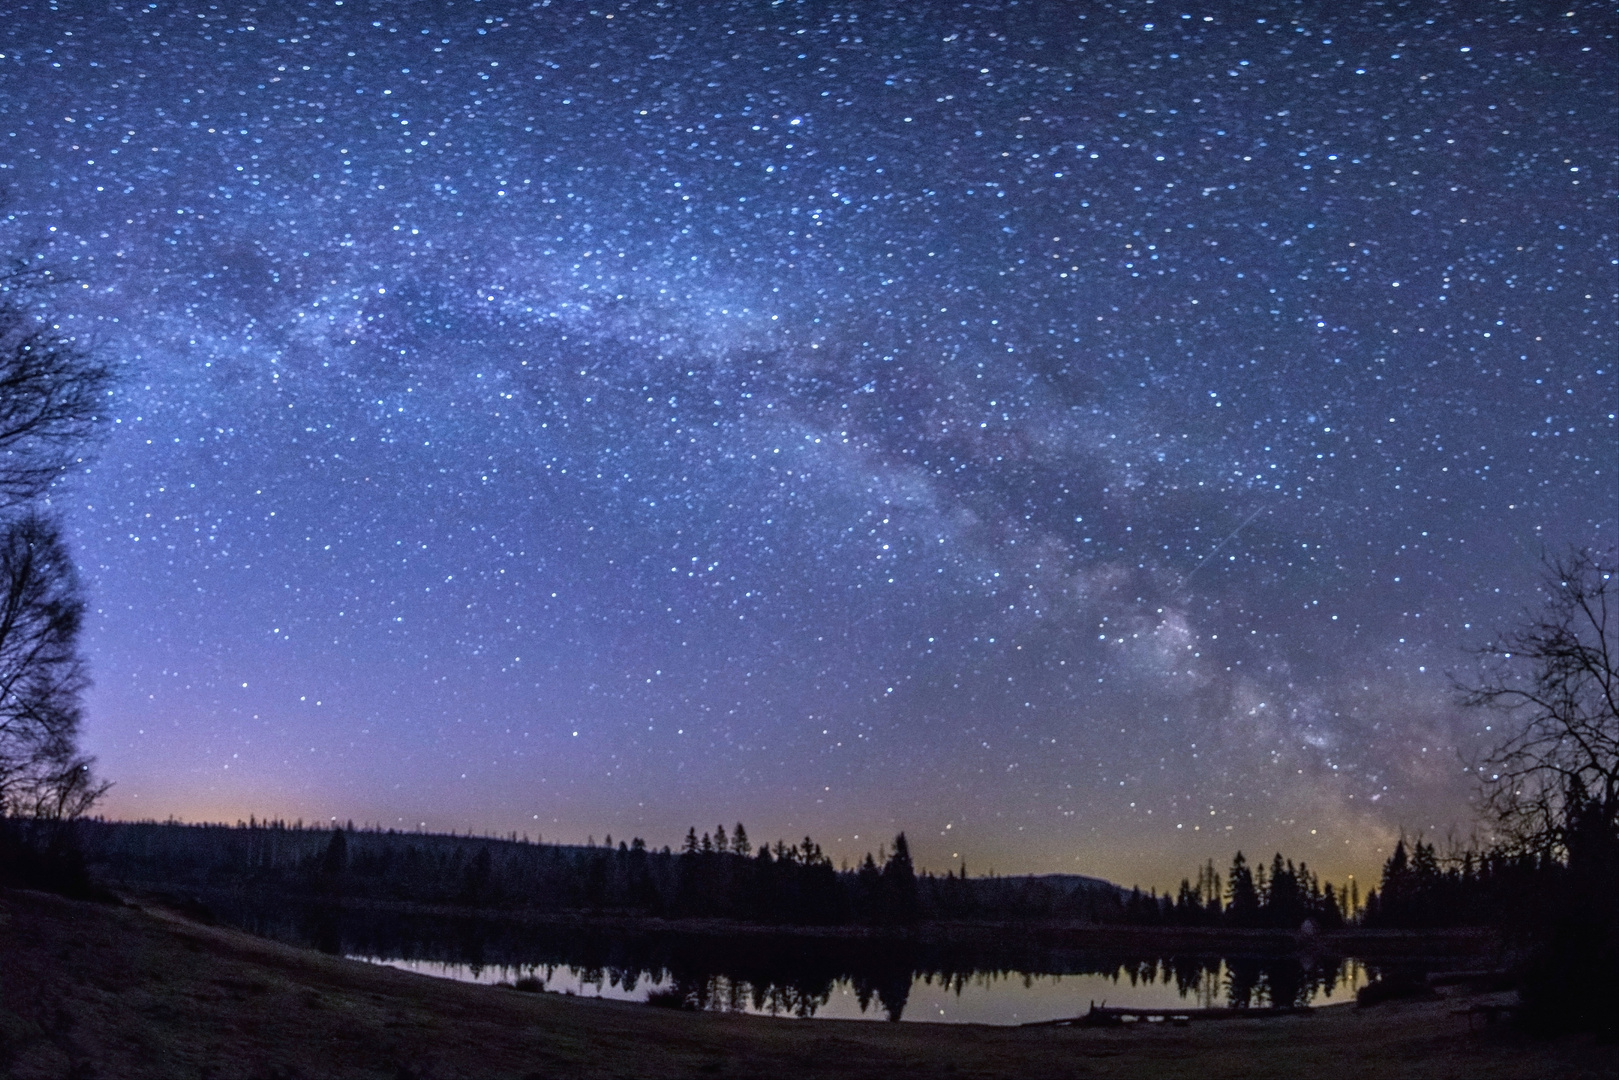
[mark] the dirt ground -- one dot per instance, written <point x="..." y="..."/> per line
<point x="100" y="991"/>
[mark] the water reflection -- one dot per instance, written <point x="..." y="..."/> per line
<point x="983" y="998"/>
<point x="791" y="975"/>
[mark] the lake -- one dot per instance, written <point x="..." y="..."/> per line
<point x="981" y="998"/>
<point x="1004" y="979"/>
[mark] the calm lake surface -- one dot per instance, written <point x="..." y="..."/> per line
<point x="1001" y="981"/>
<point x="981" y="998"/>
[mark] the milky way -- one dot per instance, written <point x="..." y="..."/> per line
<point x="1084" y="437"/>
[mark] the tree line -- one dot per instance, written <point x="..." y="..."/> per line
<point x="1281" y="896"/>
<point x="717" y="875"/>
<point x="721" y="875"/>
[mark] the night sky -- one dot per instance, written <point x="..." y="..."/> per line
<point x="1081" y="436"/>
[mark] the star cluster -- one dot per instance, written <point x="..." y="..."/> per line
<point x="1082" y="436"/>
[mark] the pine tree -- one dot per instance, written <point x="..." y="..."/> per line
<point x="1331" y="909"/>
<point x="1188" y="904"/>
<point x="337" y="855"/>
<point x="1242" y="900"/>
<point x="899" y="883"/>
<point x="1394" y="891"/>
<point x="1424" y="862"/>
<point x="1209" y="885"/>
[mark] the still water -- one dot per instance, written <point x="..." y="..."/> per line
<point x="1009" y="979"/>
<point x="979" y="998"/>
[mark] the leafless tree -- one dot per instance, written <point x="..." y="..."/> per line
<point x="53" y="390"/>
<point x="42" y="773"/>
<point x="1554" y="682"/>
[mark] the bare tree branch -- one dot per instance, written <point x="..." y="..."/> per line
<point x="53" y="390"/>
<point x="1555" y="684"/>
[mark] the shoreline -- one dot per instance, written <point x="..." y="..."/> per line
<point x="140" y="991"/>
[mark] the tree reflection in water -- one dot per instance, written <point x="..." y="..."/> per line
<point x="777" y="974"/>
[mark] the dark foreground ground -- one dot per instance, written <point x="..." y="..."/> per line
<point x="99" y="991"/>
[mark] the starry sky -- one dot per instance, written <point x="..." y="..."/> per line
<point x="1083" y="436"/>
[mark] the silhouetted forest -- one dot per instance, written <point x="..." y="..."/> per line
<point x="1281" y="896"/>
<point x="712" y="876"/>
<point x="722" y="876"/>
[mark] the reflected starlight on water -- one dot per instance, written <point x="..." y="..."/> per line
<point x="979" y="998"/>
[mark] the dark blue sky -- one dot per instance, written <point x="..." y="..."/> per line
<point x="1081" y="436"/>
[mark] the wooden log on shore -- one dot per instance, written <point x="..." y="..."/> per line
<point x="1105" y="1016"/>
<point x="1501" y="976"/>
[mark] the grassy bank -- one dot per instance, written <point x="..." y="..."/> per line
<point x="92" y="990"/>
